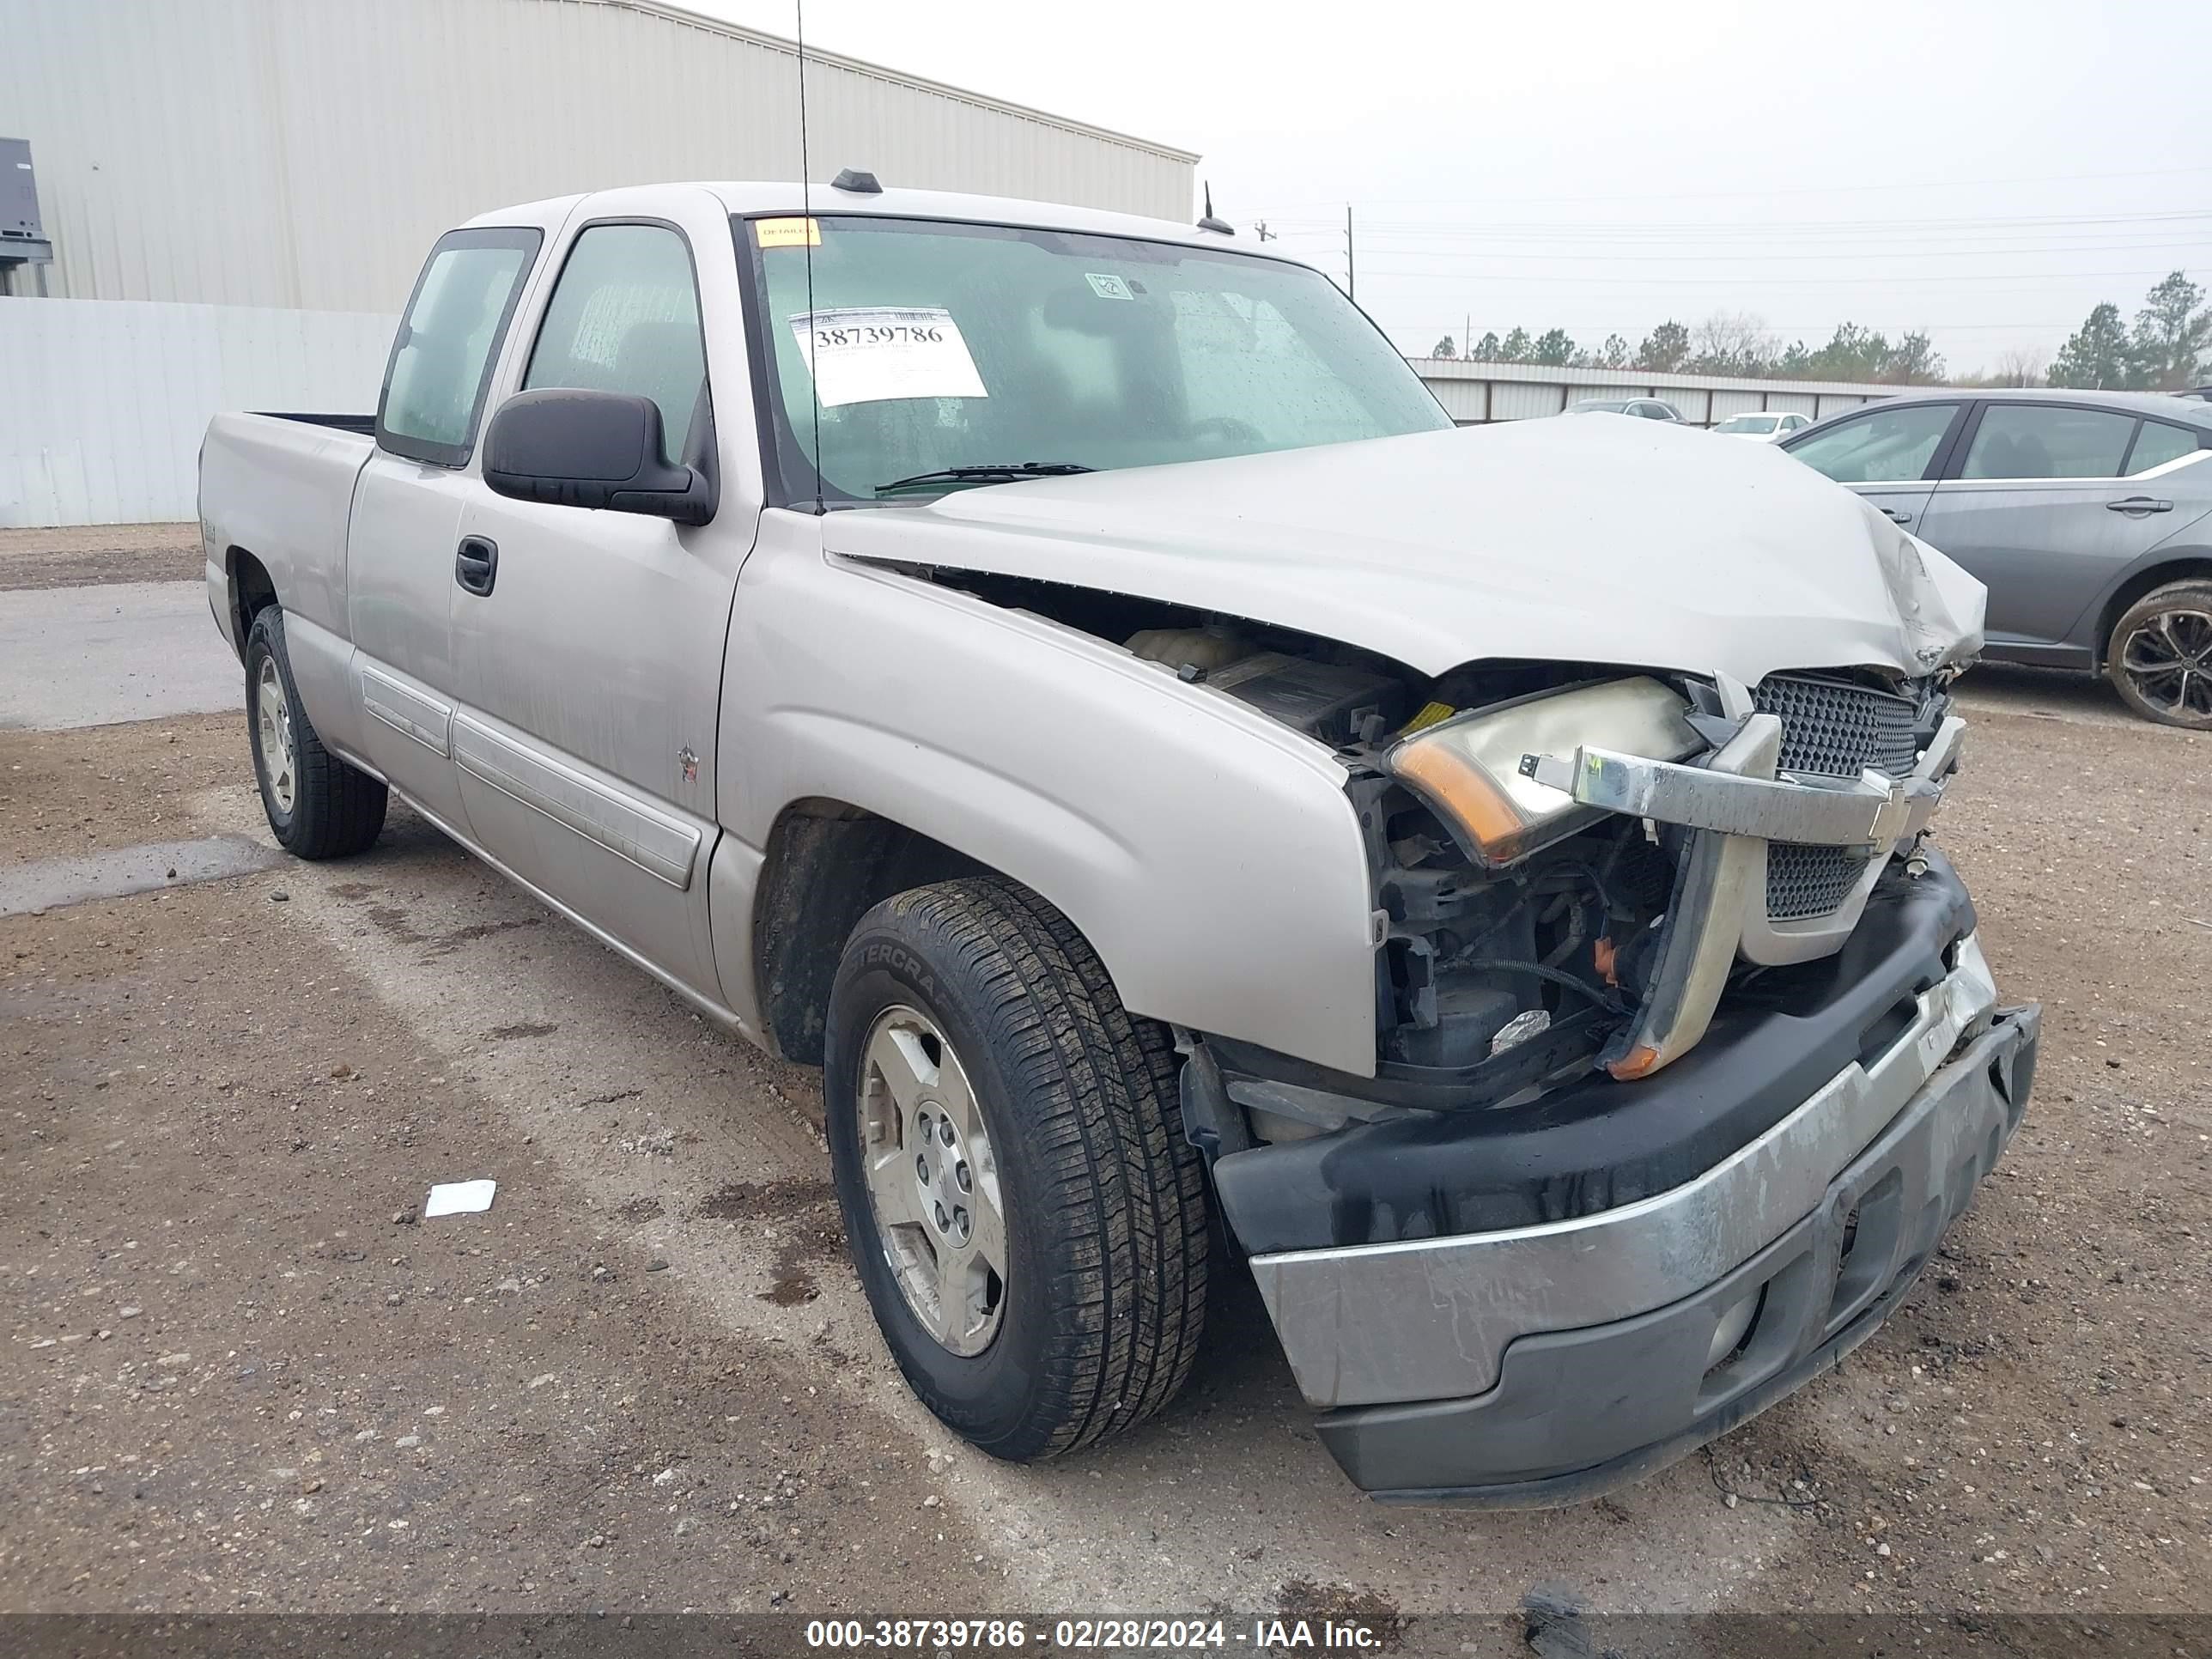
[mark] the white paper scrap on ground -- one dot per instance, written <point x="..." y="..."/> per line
<point x="869" y="354"/>
<point x="459" y="1198"/>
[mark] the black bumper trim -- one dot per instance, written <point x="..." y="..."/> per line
<point x="1596" y="1145"/>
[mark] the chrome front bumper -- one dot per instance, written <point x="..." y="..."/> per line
<point x="1873" y="811"/>
<point x="1734" y="805"/>
<point x="1431" y="1319"/>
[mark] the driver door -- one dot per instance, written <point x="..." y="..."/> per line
<point x="591" y="650"/>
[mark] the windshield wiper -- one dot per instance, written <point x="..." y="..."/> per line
<point x="1007" y="473"/>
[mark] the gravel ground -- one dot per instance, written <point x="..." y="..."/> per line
<point x="79" y="556"/>
<point x="239" y="1375"/>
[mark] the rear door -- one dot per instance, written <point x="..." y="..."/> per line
<point x="2044" y="509"/>
<point x="591" y="664"/>
<point x="1891" y="454"/>
<point x="407" y="506"/>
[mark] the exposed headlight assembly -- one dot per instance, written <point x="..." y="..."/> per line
<point x="1469" y="765"/>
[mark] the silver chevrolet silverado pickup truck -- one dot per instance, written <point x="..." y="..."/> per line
<point x="1063" y="675"/>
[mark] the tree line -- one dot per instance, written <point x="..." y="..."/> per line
<point x="2169" y="348"/>
<point x="2166" y="350"/>
<point x="1734" y="343"/>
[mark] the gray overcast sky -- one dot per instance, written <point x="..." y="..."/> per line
<point x="1985" y="169"/>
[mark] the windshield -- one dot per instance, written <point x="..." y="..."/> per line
<point x="1749" y="424"/>
<point x="1598" y="406"/>
<point x="942" y="346"/>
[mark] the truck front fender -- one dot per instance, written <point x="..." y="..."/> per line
<point x="1210" y="856"/>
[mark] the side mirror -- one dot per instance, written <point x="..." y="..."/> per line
<point x="570" y="447"/>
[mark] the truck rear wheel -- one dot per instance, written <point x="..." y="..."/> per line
<point x="2160" y="655"/>
<point x="319" y="807"/>
<point x="1024" y="1214"/>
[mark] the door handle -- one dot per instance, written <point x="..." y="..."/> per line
<point x="2139" y="504"/>
<point x="475" y="564"/>
<point x="1896" y="517"/>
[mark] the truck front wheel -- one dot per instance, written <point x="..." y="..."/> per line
<point x="1024" y="1214"/>
<point x="319" y="807"/>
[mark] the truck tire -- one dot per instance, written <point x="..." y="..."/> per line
<point x="319" y="807"/>
<point x="1025" y="1216"/>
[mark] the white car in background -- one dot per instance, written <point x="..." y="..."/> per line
<point x="1762" y="428"/>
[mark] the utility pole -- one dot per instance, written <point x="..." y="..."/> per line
<point x="1266" y="235"/>
<point x="1350" y="269"/>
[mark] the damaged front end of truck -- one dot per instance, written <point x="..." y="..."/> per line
<point x="1688" y="1054"/>
<point x="1686" y="1050"/>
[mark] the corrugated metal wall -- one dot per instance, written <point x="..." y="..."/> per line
<point x="1474" y="393"/>
<point x="105" y="402"/>
<point x="304" y="153"/>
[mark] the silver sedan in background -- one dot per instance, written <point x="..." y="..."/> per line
<point x="1646" y="409"/>
<point x="2088" y="513"/>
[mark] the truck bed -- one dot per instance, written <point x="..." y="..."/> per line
<point x="279" y="488"/>
<point x="364" y="424"/>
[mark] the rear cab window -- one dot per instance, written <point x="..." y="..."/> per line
<point x="441" y="359"/>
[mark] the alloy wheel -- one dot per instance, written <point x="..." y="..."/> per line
<point x="272" y="715"/>
<point x="2168" y="659"/>
<point x="933" y="1181"/>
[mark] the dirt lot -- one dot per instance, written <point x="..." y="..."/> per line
<point x="240" y="1374"/>
<point x="100" y="553"/>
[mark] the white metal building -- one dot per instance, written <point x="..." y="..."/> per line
<point x="304" y="153"/>
<point x="237" y="194"/>
<point x="1475" y="393"/>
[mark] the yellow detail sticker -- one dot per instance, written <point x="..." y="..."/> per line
<point x="787" y="233"/>
<point x="1429" y="716"/>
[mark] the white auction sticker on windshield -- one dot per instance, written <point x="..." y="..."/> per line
<point x="871" y="354"/>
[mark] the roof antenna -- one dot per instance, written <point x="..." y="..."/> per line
<point x="806" y="239"/>
<point x="1220" y="226"/>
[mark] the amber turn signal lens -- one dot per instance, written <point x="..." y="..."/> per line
<point x="1469" y="765"/>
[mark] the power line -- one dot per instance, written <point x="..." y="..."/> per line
<point x="1602" y="329"/>
<point x="2045" y="277"/>
<point x="1886" y="227"/>
<point x="1793" y="189"/>
<point x="1798" y="258"/>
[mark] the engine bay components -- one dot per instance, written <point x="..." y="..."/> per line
<point x="1335" y="703"/>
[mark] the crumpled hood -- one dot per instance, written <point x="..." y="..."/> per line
<point x="1593" y="539"/>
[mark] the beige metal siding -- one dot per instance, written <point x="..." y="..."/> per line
<point x="305" y="153"/>
<point x="106" y="403"/>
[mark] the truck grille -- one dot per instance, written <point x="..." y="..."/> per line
<point x="1808" y="881"/>
<point x="1830" y="728"/>
<point x="1836" y="730"/>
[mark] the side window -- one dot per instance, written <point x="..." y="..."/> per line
<point x="2025" y="440"/>
<point x="1886" y="446"/>
<point x="441" y="362"/>
<point x="2158" y="443"/>
<point x="624" y="317"/>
